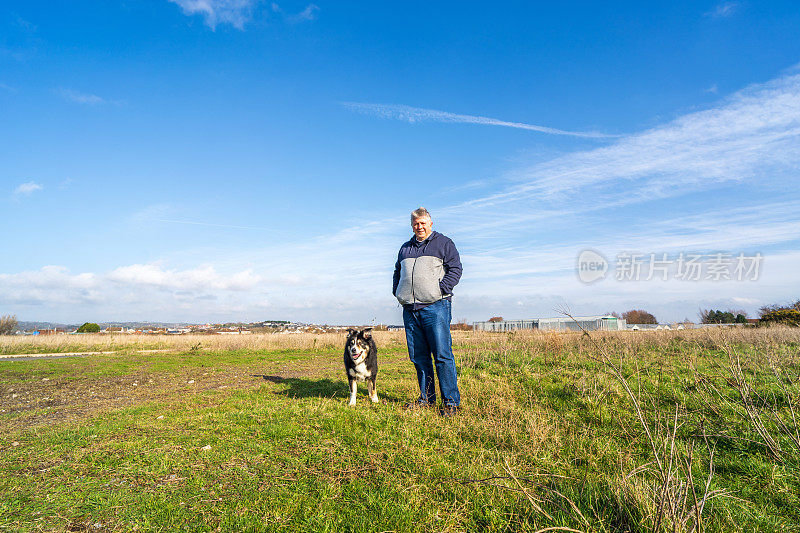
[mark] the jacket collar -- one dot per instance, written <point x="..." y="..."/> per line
<point x="415" y="242"/>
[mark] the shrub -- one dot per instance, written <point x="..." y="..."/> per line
<point x="789" y="317"/>
<point x="778" y="307"/>
<point x="8" y="324"/>
<point x="88" y="327"/>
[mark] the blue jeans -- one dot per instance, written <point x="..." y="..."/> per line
<point x="428" y="332"/>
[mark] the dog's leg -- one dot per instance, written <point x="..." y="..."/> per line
<point x="373" y="390"/>
<point x="353" y="388"/>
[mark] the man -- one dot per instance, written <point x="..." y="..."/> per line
<point x="427" y="269"/>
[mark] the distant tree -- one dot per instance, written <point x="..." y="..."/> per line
<point x="496" y="319"/>
<point x="614" y="314"/>
<point x="789" y="317"/>
<point x="88" y="327"/>
<point x="715" y="316"/>
<point x="740" y="319"/>
<point x="461" y="325"/>
<point x="8" y="324"/>
<point x="639" y="316"/>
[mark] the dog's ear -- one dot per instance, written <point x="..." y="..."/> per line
<point x="351" y="331"/>
<point x="367" y="333"/>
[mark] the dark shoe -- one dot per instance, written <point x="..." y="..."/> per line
<point x="416" y="404"/>
<point x="449" y="410"/>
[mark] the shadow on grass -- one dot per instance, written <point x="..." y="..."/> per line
<point x="321" y="388"/>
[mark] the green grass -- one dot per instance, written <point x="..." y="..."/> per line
<point x="287" y="453"/>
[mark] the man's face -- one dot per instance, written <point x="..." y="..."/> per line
<point x="422" y="227"/>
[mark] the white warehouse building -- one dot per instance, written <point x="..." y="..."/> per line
<point x="588" y="323"/>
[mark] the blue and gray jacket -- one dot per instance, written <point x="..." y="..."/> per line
<point x="426" y="271"/>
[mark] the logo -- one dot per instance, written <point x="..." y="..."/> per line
<point x="591" y="266"/>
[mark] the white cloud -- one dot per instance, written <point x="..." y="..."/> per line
<point x="202" y="278"/>
<point x="8" y="88"/>
<point x="754" y="133"/>
<point x="25" y="24"/>
<point x="416" y="114"/>
<point x="27" y="188"/>
<point x="215" y="12"/>
<point x="51" y="276"/>
<point x="131" y="292"/>
<point x="81" y="98"/>
<point x="51" y="285"/>
<point x="309" y="13"/>
<point x="749" y="229"/>
<point x="725" y="9"/>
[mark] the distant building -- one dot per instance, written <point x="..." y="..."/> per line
<point x="233" y="330"/>
<point x="588" y="323"/>
<point x="50" y="331"/>
<point x="647" y="327"/>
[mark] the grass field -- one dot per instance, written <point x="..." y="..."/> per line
<point x="656" y="431"/>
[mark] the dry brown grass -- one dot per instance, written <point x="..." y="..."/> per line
<point x="471" y="345"/>
<point x="620" y="344"/>
<point x="122" y="342"/>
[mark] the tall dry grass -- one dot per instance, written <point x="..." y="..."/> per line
<point x="470" y="346"/>
<point x="473" y="346"/>
<point x="124" y="342"/>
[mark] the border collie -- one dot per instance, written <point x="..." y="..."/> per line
<point x="361" y="362"/>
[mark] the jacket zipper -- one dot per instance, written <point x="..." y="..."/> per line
<point x="427" y="241"/>
<point x="413" y="297"/>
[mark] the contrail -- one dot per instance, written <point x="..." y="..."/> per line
<point x="416" y="114"/>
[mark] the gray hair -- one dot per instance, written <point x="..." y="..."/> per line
<point x="420" y="213"/>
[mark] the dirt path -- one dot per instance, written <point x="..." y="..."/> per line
<point x="64" y="398"/>
<point x="69" y="398"/>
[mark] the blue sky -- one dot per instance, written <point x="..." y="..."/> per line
<point x="210" y="160"/>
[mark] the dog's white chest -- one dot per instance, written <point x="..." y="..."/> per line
<point x="360" y="372"/>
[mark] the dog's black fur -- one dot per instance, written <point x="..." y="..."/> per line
<point x="361" y="362"/>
